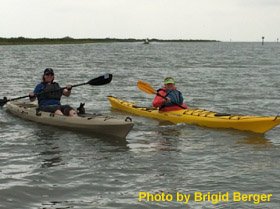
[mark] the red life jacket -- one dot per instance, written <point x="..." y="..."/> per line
<point x="167" y="106"/>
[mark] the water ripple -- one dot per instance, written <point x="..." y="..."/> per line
<point x="48" y="167"/>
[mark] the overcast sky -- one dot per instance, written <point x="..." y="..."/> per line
<point x="224" y="20"/>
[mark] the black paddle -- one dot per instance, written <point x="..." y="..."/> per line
<point x="101" y="80"/>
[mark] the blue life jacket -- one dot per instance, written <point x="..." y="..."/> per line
<point x="49" y="94"/>
<point x="174" y="95"/>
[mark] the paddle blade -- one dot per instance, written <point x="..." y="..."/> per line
<point x="101" y="80"/>
<point x="147" y="88"/>
<point x="3" y="101"/>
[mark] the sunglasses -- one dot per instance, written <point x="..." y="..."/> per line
<point x="47" y="74"/>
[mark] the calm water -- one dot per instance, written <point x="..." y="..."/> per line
<point x="46" y="167"/>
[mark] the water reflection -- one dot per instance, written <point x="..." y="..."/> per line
<point x="56" y="205"/>
<point x="3" y="124"/>
<point x="168" y="130"/>
<point x="107" y="143"/>
<point x="167" y="136"/>
<point x="52" y="161"/>
<point x="51" y="152"/>
<point x="255" y="139"/>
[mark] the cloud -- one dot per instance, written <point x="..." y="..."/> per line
<point x="167" y="19"/>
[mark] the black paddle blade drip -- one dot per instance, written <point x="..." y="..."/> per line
<point x="101" y="80"/>
<point x="3" y="101"/>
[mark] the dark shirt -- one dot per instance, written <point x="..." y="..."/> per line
<point x="45" y="102"/>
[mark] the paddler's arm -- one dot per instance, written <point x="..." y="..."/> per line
<point x="159" y="101"/>
<point x="37" y="90"/>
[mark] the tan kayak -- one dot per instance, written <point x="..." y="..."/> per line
<point x="101" y="125"/>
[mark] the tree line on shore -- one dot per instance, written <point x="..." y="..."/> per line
<point x="69" y="40"/>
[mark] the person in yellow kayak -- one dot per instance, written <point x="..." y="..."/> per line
<point x="50" y="100"/>
<point x="169" y="98"/>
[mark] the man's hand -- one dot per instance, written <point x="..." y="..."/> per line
<point x="32" y="96"/>
<point x="69" y="87"/>
<point x="167" y="99"/>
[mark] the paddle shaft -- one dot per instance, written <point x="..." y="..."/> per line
<point x="101" y="80"/>
<point x="81" y="84"/>
<point x="5" y="100"/>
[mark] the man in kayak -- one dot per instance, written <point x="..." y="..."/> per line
<point x="169" y="98"/>
<point x="50" y="101"/>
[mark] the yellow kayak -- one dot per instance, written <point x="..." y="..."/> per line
<point x="257" y="124"/>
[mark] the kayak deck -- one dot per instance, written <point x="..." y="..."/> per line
<point x="98" y="124"/>
<point x="257" y="124"/>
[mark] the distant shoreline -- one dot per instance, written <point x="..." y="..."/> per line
<point x="69" y="40"/>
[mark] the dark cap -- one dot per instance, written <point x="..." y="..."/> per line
<point x="48" y="71"/>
